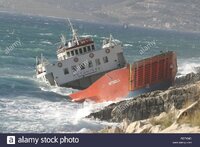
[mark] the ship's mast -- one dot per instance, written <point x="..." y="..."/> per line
<point x="41" y="58"/>
<point x="63" y="39"/>
<point x="74" y="32"/>
<point x="110" y="39"/>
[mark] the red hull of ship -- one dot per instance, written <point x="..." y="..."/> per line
<point x="142" y="76"/>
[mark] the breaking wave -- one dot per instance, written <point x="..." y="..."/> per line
<point x="87" y="35"/>
<point x="128" y="45"/>
<point x="46" y="42"/>
<point x="186" y="66"/>
<point x="31" y="114"/>
<point x="45" y="34"/>
<point x="59" y="90"/>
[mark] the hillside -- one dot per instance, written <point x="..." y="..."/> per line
<point x="172" y="14"/>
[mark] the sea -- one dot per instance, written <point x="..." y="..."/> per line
<point x="30" y="106"/>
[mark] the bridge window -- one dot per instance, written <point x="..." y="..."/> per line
<point x="93" y="48"/>
<point x="72" y="53"/>
<point x="76" y="51"/>
<point x="66" y="71"/>
<point x="89" y="49"/>
<point x="68" y="54"/>
<point x="85" y="50"/>
<point x="90" y="64"/>
<point x="97" y="62"/>
<point x="105" y="59"/>
<point x="80" y="50"/>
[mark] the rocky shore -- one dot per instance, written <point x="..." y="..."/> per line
<point x="159" y="111"/>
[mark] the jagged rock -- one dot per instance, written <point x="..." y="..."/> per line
<point x="155" y="129"/>
<point x="151" y="104"/>
<point x="115" y="130"/>
<point x="188" y="112"/>
<point x="181" y="128"/>
<point x="139" y="127"/>
<point x="161" y="116"/>
<point x="188" y="79"/>
<point x="160" y="124"/>
<point x="111" y="130"/>
<point x="133" y="127"/>
<point x="125" y="123"/>
<point x="103" y="115"/>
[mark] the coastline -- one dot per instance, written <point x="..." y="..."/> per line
<point x="175" y="110"/>
<point x="118" y="24"/>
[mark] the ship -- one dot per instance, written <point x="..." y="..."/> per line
<point x="102" y="74"/>
<point x="154" y="73"/>
<point x="79" y="62"/>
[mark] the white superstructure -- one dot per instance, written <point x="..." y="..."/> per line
<point x="80" y="63"/>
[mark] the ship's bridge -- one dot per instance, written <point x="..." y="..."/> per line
<point x="80" y="63"/>
<point x="72" y="49"/>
